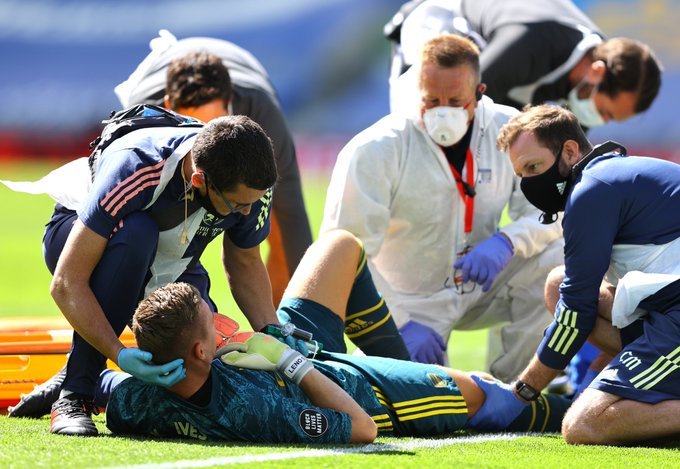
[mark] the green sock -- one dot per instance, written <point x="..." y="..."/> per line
<point x="369" y="324"/>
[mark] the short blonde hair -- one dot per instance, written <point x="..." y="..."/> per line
<point x="451" y="50"/>
<point x="551" y="125"/>
<point x="167" y="320"/>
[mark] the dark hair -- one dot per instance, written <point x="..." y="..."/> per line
<point x="631" y="66"/>
<point x="233" y="150"/>
<point x="164" y="321"/>
<point x="550" y="124"/>
<point x="451" y="50"/>
<point x="196" y="79"/>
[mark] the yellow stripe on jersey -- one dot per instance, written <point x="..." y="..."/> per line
<point x="383" y="422"/>
<point x="455" y="408"/>
<point x="378" y="391"/>
<point x="430" y="414"/>
<point x="366" y="311"/>
<point x="362" y="259"/>
<point x="381" y="397"/>
<point x="547" y="412"/>
<point x="369" y="329"/>
<point x="428" y="399"/>
<point x="566" y="331"/>
<point x="533" y="416"/>
<point x="665" y="365"/>
<point x="423" y="407"/>
<point x="429" y="406"/>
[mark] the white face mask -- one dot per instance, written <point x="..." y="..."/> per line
<point x="445" y="124"/>
<point x="584" y="109"/>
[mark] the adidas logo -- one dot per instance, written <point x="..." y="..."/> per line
<point x="356" y="326"/>
<point x="560" y="187"/>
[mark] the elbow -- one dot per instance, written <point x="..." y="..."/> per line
<point x="366" y="432"/>
<point x="58" y="289"/>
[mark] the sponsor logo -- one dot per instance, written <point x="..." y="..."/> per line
<point x="266" y="200"/>
<point x="437" y="381"/>
<point x="357" y="325"/>
<point x="629" y="360"/>
<point x="209" y="218"/>
<point x="313" y="422"/>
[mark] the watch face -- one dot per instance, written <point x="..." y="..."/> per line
<point x="527" y="392"/>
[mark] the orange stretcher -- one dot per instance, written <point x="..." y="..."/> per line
<point x="32" y="351"/>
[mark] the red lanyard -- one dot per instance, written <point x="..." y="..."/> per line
<point x="468" y="200"/>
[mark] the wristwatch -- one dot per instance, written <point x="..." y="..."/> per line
<point x="526" y="392"/>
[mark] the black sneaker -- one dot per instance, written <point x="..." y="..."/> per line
<point x="72" y="415"/>
<point x="39" y="401"/>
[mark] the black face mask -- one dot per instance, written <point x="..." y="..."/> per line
<point x="205" y="202"/>
<point x="547" y="192"/>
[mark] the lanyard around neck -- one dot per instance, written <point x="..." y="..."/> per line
<point x="468" y="195"/>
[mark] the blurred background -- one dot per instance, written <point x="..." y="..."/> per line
<point x="328" y="59"/>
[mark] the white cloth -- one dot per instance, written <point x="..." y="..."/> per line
<point x="68" y="184"/>
<point x="393" y="188"/>
<point x="638" y="272"/>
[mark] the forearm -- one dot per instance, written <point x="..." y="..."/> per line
<point x="73" y="295"/>
<point x="325" y="393"/>
<point x="537" y="375"/>
<point x="250" y="287"/>
<point x="82" y="310"/>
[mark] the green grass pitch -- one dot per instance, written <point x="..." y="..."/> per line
<point x="24" y="284"/>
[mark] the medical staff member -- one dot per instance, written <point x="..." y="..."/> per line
<point x="250" y="93"/>
<point x="157" y="198"/>
<point x="535" y="52"/>
<point x="425" y="191"/>
<point x="622" y="219"/>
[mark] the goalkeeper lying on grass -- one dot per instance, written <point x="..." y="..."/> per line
<point x="259" y="390"/>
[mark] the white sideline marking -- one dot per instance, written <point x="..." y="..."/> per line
<point x="407" y="445"/>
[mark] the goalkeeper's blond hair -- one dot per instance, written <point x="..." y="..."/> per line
<point x="165" y="322"/>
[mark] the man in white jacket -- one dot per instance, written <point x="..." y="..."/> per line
<point x="424" y="189"/>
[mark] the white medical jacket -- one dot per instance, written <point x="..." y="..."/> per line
<point x="393" y="188"/>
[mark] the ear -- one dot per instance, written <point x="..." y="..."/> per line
<point x="481" y="89"/>
<point x="197" y="179"/>
<point x="571" y="152"/>
<point x="198" y="351"/>
<point x="597" y="71"/>
<point x="166" y="102"/>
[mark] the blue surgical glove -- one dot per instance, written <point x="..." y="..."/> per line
<point x="138" y="364"/>
<point x="501" y="407"/>
<point x="485" y="261"/>
<point x="295" y="344"/>
<point x="423" y="343"/>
